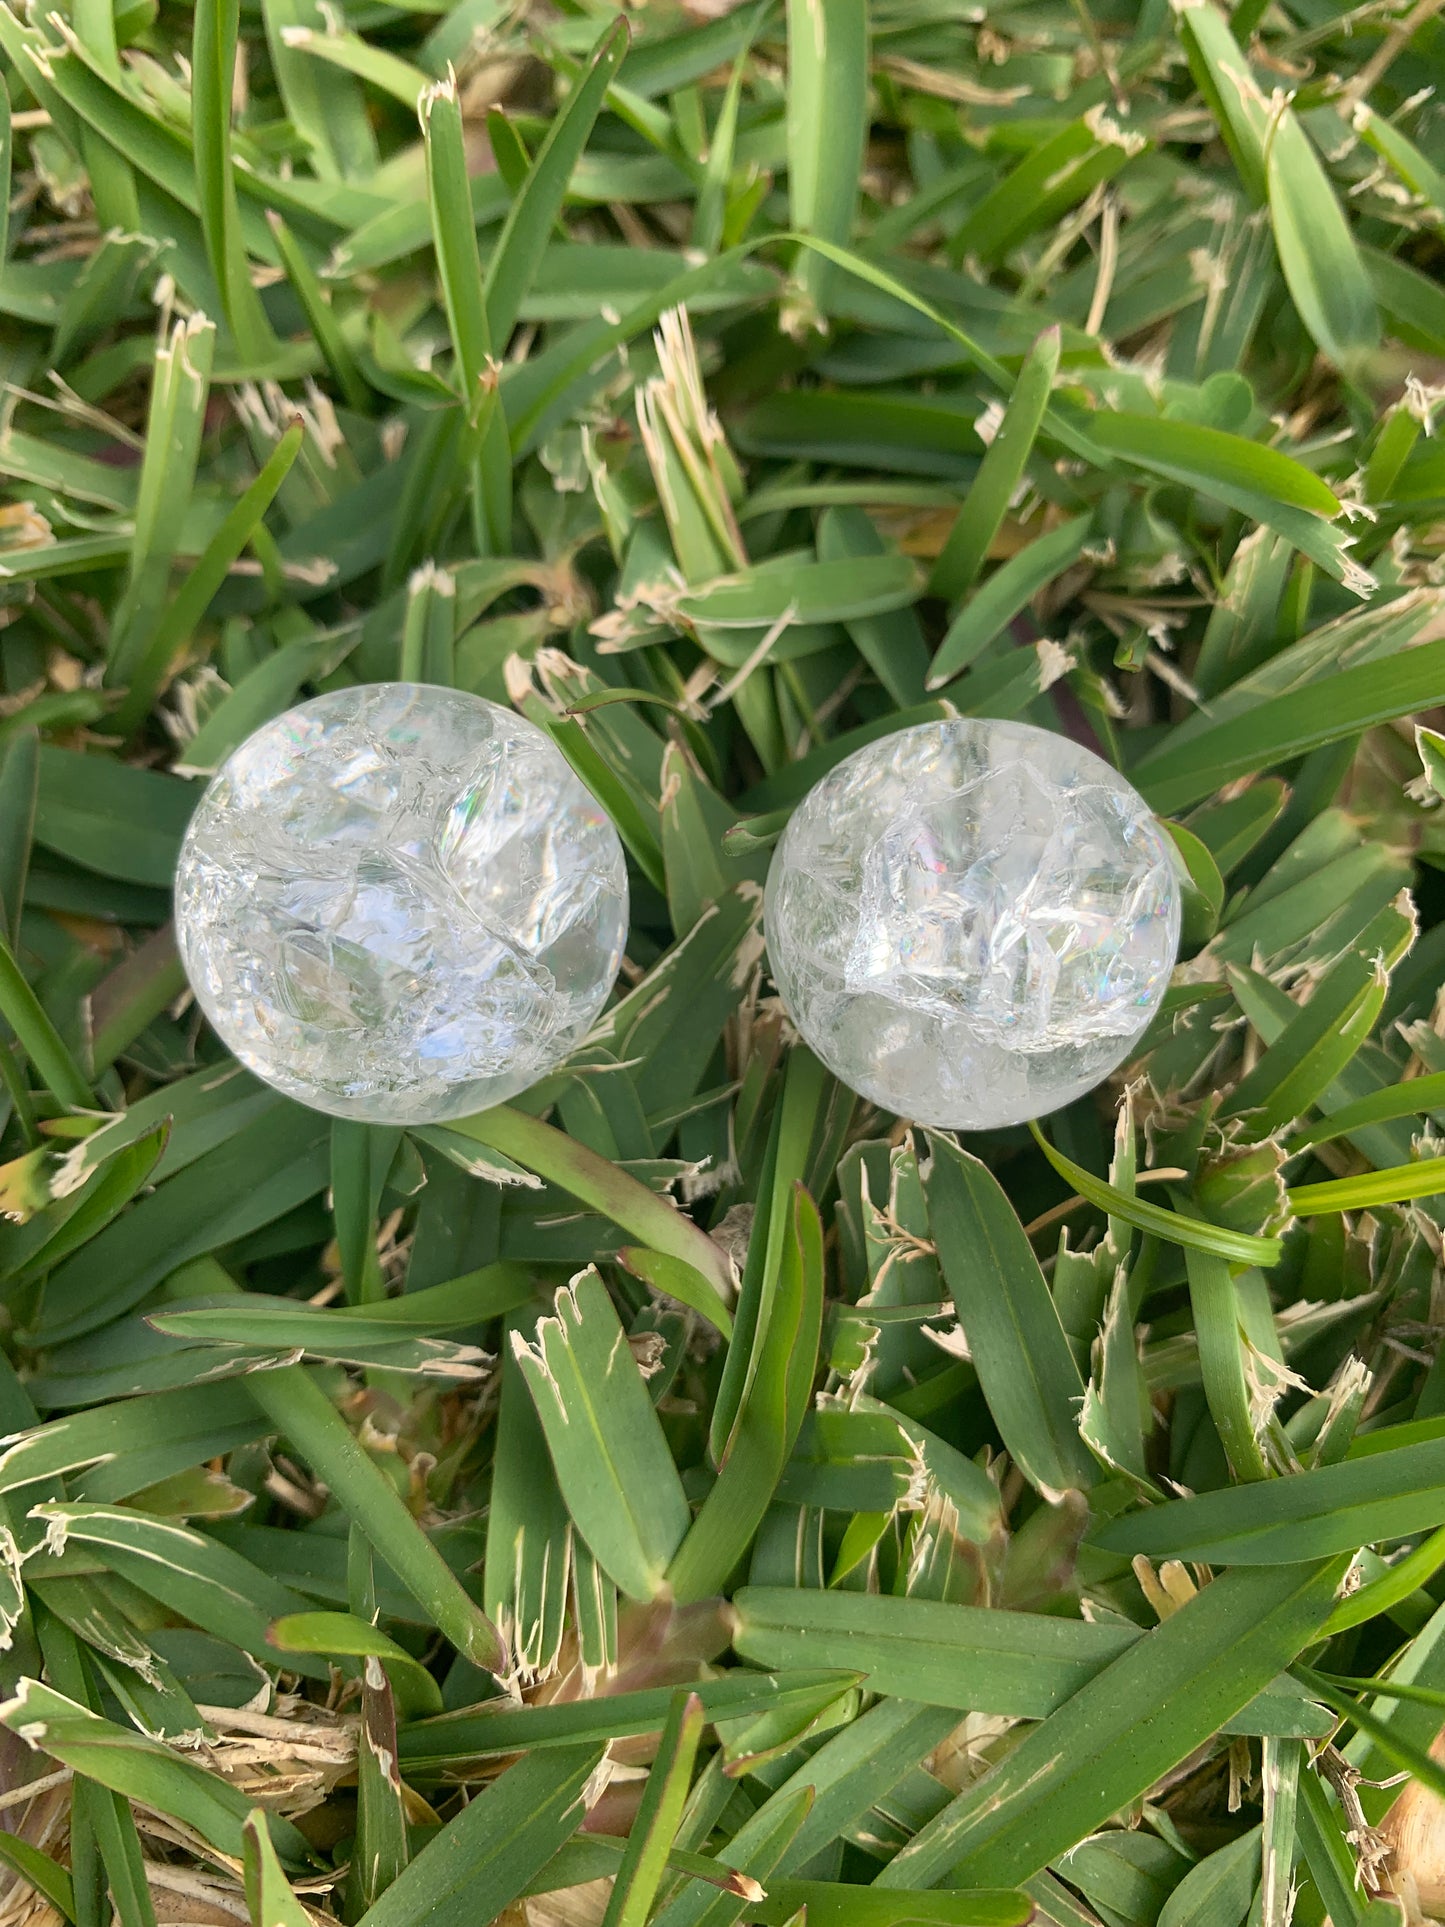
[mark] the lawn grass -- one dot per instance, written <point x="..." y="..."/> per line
<point x="962" y="1532"/>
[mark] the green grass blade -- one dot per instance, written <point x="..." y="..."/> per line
<point x="984" y="507"/>
<point x="196" y="593"/>
<point x="827" y="123"/>
<point x="1322" y="266"/>
<point x="1026" y="1370"/>
<point x="608" y="1450"/>
<point x="269" y="1897"/>
<point x="213" y="66"/>
<point x="38" y="1037"/>
<point x="1193" y="1234"/>
<point x="520" y="245"/>
<point x="601" y="1186"/>
<point x="496" y="1845"/>
<point x="298" y="1408"/>
<point x="1141" y="1716"/>
<point x="46" y="1876"/>
<point x="1311" y="1515"/>
<point x="655" y="1828"/>
<point x="454" y="237"/>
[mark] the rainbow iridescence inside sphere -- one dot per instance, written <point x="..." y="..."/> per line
<point x="398" y="903"/>
<point x="972" y="922"/>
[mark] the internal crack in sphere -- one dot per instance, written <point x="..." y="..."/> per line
<point x="972" y="922"/>
<point x="397" y="902"/>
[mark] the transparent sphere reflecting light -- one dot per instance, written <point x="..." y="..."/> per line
<point x="971" y="922"/>
<point x="398" y="903"/>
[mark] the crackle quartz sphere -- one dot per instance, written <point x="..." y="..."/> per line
<point x="398" y="903"/>
<point x="972" y="922"/>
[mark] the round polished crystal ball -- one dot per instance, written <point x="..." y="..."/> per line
<point x="398" y="903"/>
<point x="970" y="922"/>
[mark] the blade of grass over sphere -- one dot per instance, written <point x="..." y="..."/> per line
<point x="1168" y="1693"/>
<point x="523" y="240"/>
<point x="602" y="1186"/>
<point x="1025" y="1368"/>
<point x="295" y="1404"/>
<point x="984" y="507"/>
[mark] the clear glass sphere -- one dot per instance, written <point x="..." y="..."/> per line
<point x="972" y="922"/>
<point x="398" y="903"/>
